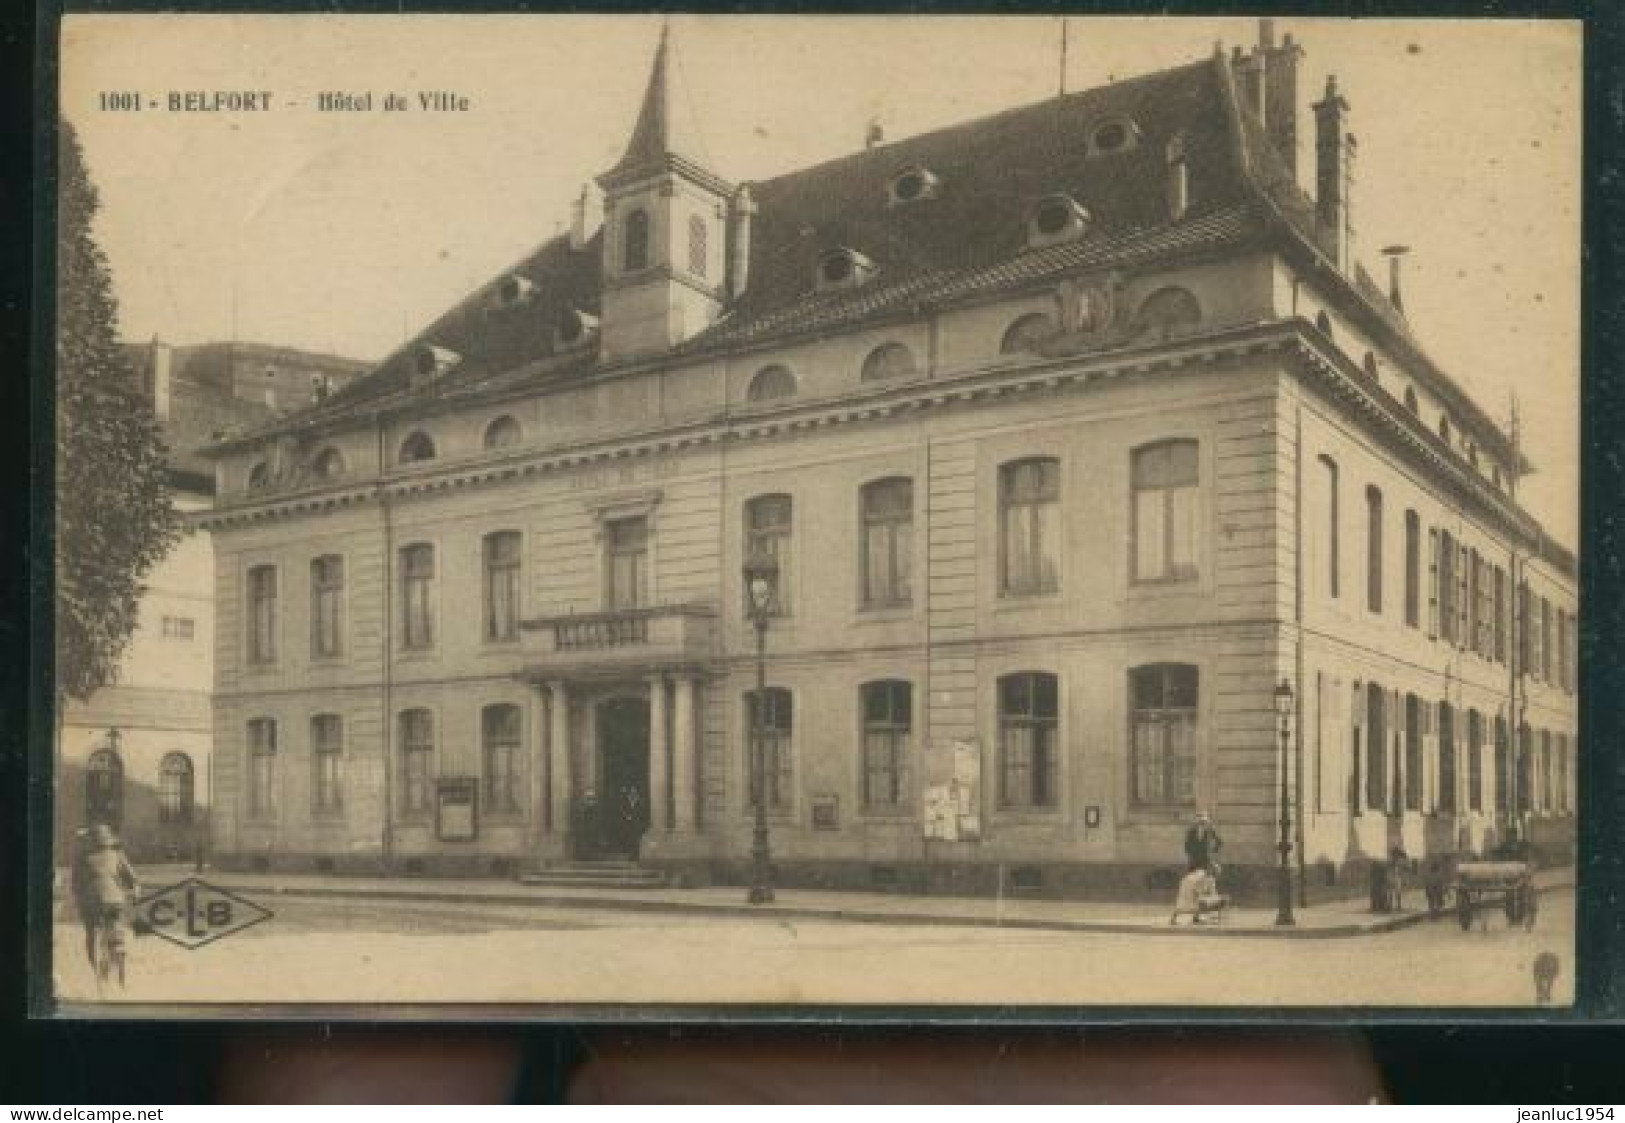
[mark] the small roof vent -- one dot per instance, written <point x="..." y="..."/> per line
<point x="912" y="184"/>
<point x="842" y="268"/>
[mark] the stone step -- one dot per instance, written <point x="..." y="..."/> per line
<point x="596" y="877"/>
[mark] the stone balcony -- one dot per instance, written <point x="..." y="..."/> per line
<point x="675" y="637"/>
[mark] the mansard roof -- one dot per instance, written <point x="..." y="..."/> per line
<point x="965" y="243"/>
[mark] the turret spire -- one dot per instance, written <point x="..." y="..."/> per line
<point x="666" y="134"/>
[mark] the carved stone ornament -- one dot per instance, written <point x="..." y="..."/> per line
<point x="1092" y="314"/>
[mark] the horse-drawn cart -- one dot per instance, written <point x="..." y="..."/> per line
<point x="1483" y="885"/>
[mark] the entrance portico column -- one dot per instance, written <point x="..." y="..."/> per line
<point x="558" y="747"/>
<point x="685" y="779"/>
<point x="659" y="779"/>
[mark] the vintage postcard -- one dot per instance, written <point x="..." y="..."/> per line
<point x="765" y="511"/>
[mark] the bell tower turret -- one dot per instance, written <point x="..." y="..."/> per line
<point x="665" y="225"/>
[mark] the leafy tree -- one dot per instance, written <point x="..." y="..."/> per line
<point x="114" y="520"/>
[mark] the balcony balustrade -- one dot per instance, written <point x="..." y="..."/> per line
<point x="620" y="639"/>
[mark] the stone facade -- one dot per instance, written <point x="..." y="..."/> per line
<point x="1109" y="539"/>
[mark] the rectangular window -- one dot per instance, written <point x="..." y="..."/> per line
<point x="262" y="614"/>
<point x="769" y="527"/>
<point x="1028" y="720"/>
<point x="327" y="756"/>
<point x="1413" y="570"/>
<point x="1413" y="753"/>
<point x="1503" y="768"/>
<point x="1164" y="700"/>
<point x="327" y="606"/>
<point x="1500" y="638"/>
<point x="1373" y="559"/>
<point x="1376" y="758"/>
<point x="262" y="768"/>
<point x="1165" y="478"/>
<point x="501" y="592"/>
<point x="417" y="761"/>
<point x="1463" y="598"/>
<point x="626" y="563"/>
<point x="888" y="729"/>
<point x="175" y="784"/>
<point x="1526" y="664"/>
<point x="1333" y="547"/>
<point x="1545" y="640"/>
<point x="178" y="627"/>
<point x="1447" y="587"/>
<point x="503" y="751"/>
<point x="1562" y="773"/>
<point x="1447" y="759"/>
<point x="888" y="543"/>
<point x="1546" y="802"/>
<point x="1475" y="761"/>
<point x="773" y="721"/>
<point x="1433" y="584"/>
<point x="1029" y="527"/>
<point x="417" y="597"/>
<point x="1474" y="614"/>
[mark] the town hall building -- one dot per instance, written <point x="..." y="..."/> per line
<point x="1076" y="434"/>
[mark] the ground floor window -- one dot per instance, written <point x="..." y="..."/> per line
<point x="1028" y="720"/>
<point x="175" y="789"/>
<point x="326" y="756"/>
<point x="1447" y="758"/>
<point x="104" y="788"/>
<point x="417" y="756"/>
<point x="771" y="717"/>
<point x="262" y="768"/>
<point x="1164" y="700"/>
<point x="502" y="750"/>
<point x="888" y="721"/>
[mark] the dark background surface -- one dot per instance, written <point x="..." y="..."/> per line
<point x="58" y="1062"/>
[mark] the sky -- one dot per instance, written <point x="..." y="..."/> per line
<point x="347" y="232"/>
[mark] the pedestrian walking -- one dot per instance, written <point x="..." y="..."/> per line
<point x="102" y="883"/>
<point x="1202" y="843"/>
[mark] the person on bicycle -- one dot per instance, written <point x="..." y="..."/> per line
<point x="103" y="884"/>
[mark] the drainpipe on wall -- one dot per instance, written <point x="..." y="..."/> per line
<point x="387" y="662"/>
<point x="1298" y="673"/>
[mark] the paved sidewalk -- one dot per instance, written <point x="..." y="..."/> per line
<point x="1329" y="920"/>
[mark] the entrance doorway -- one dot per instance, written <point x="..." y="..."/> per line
<point x="621" y="815"/>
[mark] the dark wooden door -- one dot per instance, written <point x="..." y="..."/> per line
<point x="623" y="777"/>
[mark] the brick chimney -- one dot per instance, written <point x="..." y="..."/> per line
<point x="1334" y="174"/>
<point x="1280" y="73"/>
<point x="744" y="212"/>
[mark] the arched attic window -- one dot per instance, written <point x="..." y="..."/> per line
<point x="888" y="361"/>
<point x="771" y="383"/>
<point x="416" y="448"/>
<point x="1169" y="312"/>
<point x="1025" y="333"/>
<point x="503" y="432"/>
<point x="328" y="464"/>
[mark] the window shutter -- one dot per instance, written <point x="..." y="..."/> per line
<point x="1430" y="758"/>
<point x="1357" y="704"/>
<point x="1433" y="583"/>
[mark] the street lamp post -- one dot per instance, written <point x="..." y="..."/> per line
<point x="761" y="574"/>
<point x="1283" y="708"/>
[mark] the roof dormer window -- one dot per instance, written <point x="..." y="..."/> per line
<point x="1056" y="219"/>
<point x="1118" y="134"/>
<point x="574" y="329"/>
<point x="430" y="362"/>
<point x="841" y="268"/>
<point x="512" y="290"/>
<point x="912" y="185"/>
